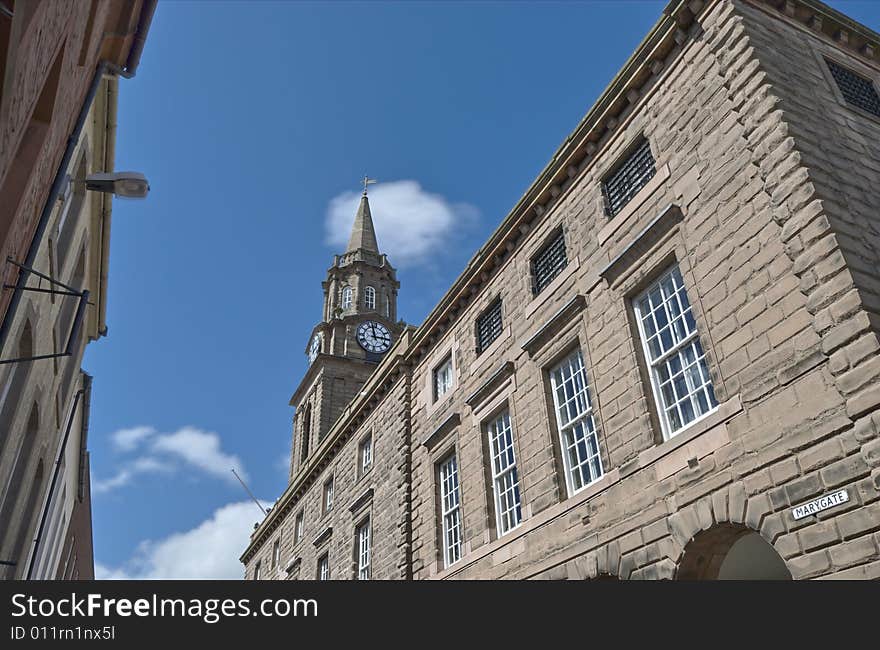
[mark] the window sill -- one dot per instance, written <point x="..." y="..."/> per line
<point x="606" y="232"/>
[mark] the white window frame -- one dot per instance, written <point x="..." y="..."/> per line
<point x="370" y="298"/>
<point x="364" y="546"/>
<point x="579" y="424"/>
<point x="450" y="509"/>
<point x="276" y="553"/>
<point x="347" y="297"/>
<point x="365" y="454"/>
<point x="686" y="340"/>
<point x="328" y="495"/>
<point x="299" y="525"/>
<point x="324" y="567"/>
<point x="443" y="378"/>
<point x="505" y="478"/>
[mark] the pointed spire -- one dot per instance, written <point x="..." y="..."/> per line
<point x="363" y="234"/>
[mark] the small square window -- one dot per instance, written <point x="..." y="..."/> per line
<point x="856" y="89"/>
<point x="328" y="496"/>
<point x="365" y="455"/>
<point x="630" y="175"/>
<point x="443" y="378"/>
<point x="489" y="326"/>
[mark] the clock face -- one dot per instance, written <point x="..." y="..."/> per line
<point x="314" y="347"/>
<point x="373" y="336"/>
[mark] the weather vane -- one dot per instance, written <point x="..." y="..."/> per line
<point x="367" y="181"/>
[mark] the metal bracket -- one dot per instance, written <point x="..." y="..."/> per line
<point x="68" y="291"/>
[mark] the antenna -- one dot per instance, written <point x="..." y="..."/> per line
<point x="265" y="514"/>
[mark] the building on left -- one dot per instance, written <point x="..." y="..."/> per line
<point x="60" y="64"/>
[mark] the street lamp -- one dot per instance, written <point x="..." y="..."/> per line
<point x="131" y="185"/>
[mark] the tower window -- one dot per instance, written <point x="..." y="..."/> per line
<point x="276" y="553"/>
<point x="856" y="89"/>
<point x="548" y="263"/>
<point x="630" y="175"/>
<point x="387" y="307"/>
<point x="299" y="527"/>
<point x="679" y="374"/>
<point x="370" y="298"/>
<point x="257" y="570"/>
<point x="489" y="326"/>
<point x="307" y="430"/>
<point x="347" y="296"/>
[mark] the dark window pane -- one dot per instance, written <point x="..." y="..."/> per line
<point x="628" y="178"/>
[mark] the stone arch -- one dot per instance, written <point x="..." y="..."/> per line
<point x="728" y="551"/>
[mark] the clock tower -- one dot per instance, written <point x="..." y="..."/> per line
<point x="358" y="326"/>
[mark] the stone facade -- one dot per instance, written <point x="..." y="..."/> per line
<point x="61" y="62"/>
<point x="764" y="197"/>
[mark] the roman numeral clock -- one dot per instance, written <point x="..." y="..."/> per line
<point x="373" y="337"/>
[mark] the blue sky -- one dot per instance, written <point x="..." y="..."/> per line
<point x="254" y="123"/>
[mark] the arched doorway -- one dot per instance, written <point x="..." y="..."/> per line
<point x="731" y="552"/>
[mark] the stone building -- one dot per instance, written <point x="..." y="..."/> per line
<point x="59" y="69"/>
<point x="664" y="362"/>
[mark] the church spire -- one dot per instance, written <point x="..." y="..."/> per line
<point x="363" y="234"/>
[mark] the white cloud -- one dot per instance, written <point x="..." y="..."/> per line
<point x="200" y="449"/>
<point x="167" y="452"/>
<point x="410" y="222"/>
<point x="129" y="439"/>
<point x="210" y="551"/>
<point x="124" y="476"/>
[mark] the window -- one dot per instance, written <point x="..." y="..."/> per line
<point x="443" y="378"/>
<point x="505" y="481"/>
<point x="450" y="511"/>
<point x="548" y="263"/>
<point x="324" y="567"/>
<point x="257" y="570"/>
<point x="370" y="298"/>
<point x="365" y="455"/>
<point x="679" y="374"/>
<point x="362" y="535"/>
<point x="856" y="89"/>
<point x="299" y="527"/>
<point x="328" y="496"/>
<point x="574" y="417"/>
<point x="387" y="307"/>
<point x="631" y="175"/>
<point x="276" y="553"/>
<point x="347" y="295"/>
<point x="489" y="326"/>
<point x="307" y="430"/>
